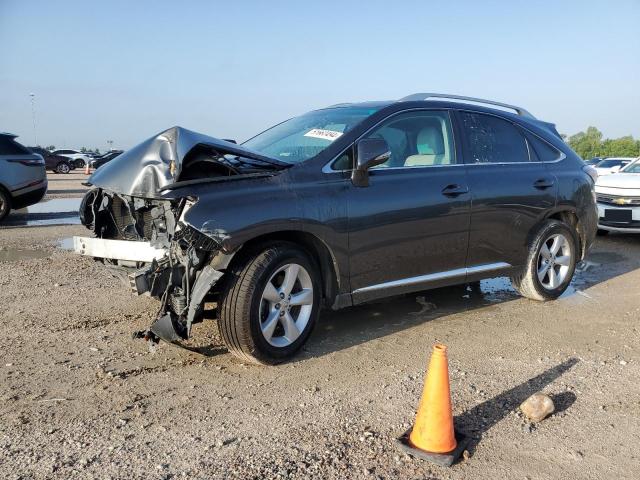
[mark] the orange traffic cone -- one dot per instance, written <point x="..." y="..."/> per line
<point x="86" y="168"/>
<point x="433" y="437"/>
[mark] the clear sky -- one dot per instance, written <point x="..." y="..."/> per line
<point x="125" y="70"/>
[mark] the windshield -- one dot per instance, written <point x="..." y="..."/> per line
<point x="303" y="137"/>
<point x="633" y="168"/>
<point x="609" y="163"/>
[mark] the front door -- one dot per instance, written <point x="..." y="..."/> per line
<point x="408" y="229"/>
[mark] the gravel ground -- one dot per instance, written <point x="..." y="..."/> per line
<point x="81" y="399"/>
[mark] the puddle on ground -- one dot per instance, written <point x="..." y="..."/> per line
<point x="55" y="211"/>
<point x="40" y="220"/>
<point x="16" y="254"/>
<point x="65" y="243"/>
<point x="53" y="205"/>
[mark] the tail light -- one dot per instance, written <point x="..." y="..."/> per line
<point x="591" y="171"/>
<point x="32" y="162"/>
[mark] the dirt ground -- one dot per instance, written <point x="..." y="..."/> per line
<point x="80" y="398"/>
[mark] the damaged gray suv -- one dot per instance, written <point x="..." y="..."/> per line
<point x="340" y="206"/>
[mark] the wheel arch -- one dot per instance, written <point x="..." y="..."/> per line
<point x="569" y="217"/>
<point x="317" y="249"/>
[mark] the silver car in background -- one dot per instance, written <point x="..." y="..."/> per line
<point x="23" y="178"/>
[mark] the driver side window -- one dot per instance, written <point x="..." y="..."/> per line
<point x="417" y="139"/>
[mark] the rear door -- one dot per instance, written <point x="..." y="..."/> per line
<point x="15" y="173"/>
<point x="511" y="190"/>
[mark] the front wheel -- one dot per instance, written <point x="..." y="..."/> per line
<point x="63" y="167"/>
<point x="270" y="304"/>
<point x="550" y="264"/>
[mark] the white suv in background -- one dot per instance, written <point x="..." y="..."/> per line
<point x="78" y="158"/>
<point x="619" y="200"/>
<point x="612" y="165"/>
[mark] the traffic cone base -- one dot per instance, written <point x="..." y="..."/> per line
<point x="433" y="437"/>
<point x="442" y="459"/>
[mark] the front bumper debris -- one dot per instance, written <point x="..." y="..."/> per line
<point x="125" y="250"/>
<point x="148" y="246"/>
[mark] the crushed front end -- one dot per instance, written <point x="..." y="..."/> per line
<point x="144" y="242"/>
<point x="137" y="218"/>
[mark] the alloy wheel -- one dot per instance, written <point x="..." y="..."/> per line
<point x="286" y="305"/>
<point x="554" y="261"/>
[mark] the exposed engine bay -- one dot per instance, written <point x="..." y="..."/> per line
<point x="179" y="274"/>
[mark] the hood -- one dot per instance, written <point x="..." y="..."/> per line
<point x="620" y="180"/>
<point x="157" y="162"/>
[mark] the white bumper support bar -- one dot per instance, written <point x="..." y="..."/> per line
<point x="117" y="249"/>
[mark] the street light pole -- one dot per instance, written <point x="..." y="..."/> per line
<point x="33" y="117"/>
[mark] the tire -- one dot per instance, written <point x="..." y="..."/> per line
<point x="245" y="312"/>
<point x="5" y="203"/>
<point x="63" y="167"/>
<point x="78" y="163"/>
<point x="602" y="233"/>
<point x="542" y="287"/>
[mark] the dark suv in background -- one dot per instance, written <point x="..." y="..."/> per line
<point x="53" y="162"/>
<point x="336" y="207"/>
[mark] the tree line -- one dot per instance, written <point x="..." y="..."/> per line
<point x="592" y="144"/>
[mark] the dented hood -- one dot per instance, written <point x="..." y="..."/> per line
<point x="157" y="162"/>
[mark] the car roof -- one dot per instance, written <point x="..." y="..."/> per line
<point x="443" y="100"/>
<point x="7" y="134"/>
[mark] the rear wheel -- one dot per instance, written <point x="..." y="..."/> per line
<point x="5" y="203"/>
<point x="270" y="304"/>
<point x="551" y="262"/>
<point x="63" y="167"/>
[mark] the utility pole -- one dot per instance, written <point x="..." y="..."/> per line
<point x="33" y="117"/>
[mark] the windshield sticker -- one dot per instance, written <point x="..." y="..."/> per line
<point x="324" y="134"/>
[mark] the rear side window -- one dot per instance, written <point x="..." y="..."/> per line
<point x="491" y="139"/>
<point x="8" y="146"/>
<point x="542" y="151"/>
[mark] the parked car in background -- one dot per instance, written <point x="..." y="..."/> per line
<point x="619" y="200"/>
<point x="99" y="161"/>
<point x="23" y="178"/>
<point x="594" y="161"/>
<point x="612" y="165"/>
<point x="336" y="207"/>
<point x="78" y="158"/>
<point x="53" y="162"/>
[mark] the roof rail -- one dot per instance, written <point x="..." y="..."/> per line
<point x="424" y="96"/>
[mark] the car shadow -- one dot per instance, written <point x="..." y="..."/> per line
<point x="479" y="419"/>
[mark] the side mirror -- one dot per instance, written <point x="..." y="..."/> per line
<point x="371" y="152"/>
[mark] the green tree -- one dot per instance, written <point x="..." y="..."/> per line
<point x="591" y="144"/>
<point x="586" y="144"/>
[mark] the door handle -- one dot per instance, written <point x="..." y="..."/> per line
<point x="543" y="183"/>
<point x="455" y="190"/>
